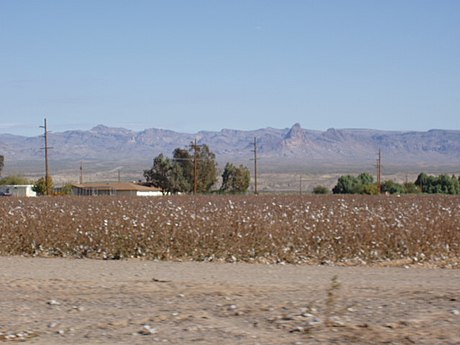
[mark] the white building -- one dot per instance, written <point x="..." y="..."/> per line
<point x="17" y="190"/>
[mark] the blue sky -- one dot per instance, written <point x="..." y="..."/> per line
<point x="245" y="64"/>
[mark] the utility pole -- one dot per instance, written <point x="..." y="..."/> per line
<point x="255" y="166"/>
<point x="81" y="172"/>
<point x="195" y="148"/>
<point x="379" y="172"/>
<point x="47" y="176"/>
<point x="196" y="157"/>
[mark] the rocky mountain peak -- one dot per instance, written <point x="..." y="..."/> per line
<point x="99" y="128"/>
<point x="104" y="130"/>
<point x="295" y="132"/>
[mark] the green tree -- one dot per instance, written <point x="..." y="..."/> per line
<point x="160" y="173"/>
<point x="392" y="187"/>
<point x="362" y="184"/>
<point x="206" y="169"/>
<point x="43" y="188"/>
<point x="167" y="175"/>
<point x="178" y="174"/>
<point x="442" y="184"/>
<point x="14" y="180"/>
<point x="346" y="185"/>
<point x="2" y="162"/>
<point x="365" y="178"/>
<point x="456" y="184"/>
<point x="411" y="188"/>
<point x="201" y="157"/>
<point x="235" y="179"/>
<point x="369" y="189"/>
<point x="448" y="184"/>
<point x="423" y="182"/>
<point x="177" y="181"/>
<point x="183" y="169"/>
<point x="66" y="189"/>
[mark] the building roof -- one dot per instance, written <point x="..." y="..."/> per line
<point x="121" y="186"/>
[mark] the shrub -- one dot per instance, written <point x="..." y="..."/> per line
<point x="321" y="190"/>
<point x="14" y="180"/>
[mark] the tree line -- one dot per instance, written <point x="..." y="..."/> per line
<point x="194" y="170"/>
<point x="364" y="184"/>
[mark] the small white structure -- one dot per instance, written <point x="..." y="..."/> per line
<point x="20" y="190"/>
<point x="117" y="188"/>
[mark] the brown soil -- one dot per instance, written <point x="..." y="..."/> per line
<point x="69" y="301"/>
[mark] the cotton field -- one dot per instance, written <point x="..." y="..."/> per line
<point x="328" y="229"/>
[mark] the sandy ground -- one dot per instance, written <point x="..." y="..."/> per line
<point x="70" y="301"/>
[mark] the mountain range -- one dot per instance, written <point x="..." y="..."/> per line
<point x="290" y="148"/>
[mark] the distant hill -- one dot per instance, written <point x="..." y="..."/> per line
<point x="290" y="148"/>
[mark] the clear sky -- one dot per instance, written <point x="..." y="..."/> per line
<point x="190" y="65"/>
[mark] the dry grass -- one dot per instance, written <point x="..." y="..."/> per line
<point x="269" y="229"/>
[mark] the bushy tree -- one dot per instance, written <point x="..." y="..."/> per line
<point x="159" y="175"/>
<point x="235" y="179"/>
<point x="365" y="178"/>
<point x="14" y="180"/>
<point x="2" y="162"/>
<point x="411" y="188"/>
<point x="345" y="185"/>
<point x="206" y="169"/>
<point x="184" y="169"/>
<point x="449" y="184"/>
<point x="423" y="181"/>
<point x="321" y="190"/>
<point x="66" y="189"/>
<point x="362" y="184"/>
<point x="43" y="188"/>
<point x="391" y="187"/>
<point x="166" y="175"/>
<point x="442" y="184"/>
<point x="178" y="174"/>
<point x="369" y="189"/>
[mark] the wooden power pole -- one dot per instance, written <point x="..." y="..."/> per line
<point x="255" y="166"/>
<point x="195" y="166"/>
<point x="81" y="172"/>
<point x="47" y="174"/>
<point x="379" y="172"/>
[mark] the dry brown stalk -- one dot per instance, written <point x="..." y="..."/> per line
<point x="269" y="229"/>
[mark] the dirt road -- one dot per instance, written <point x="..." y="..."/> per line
<point x="57" y="301"/>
